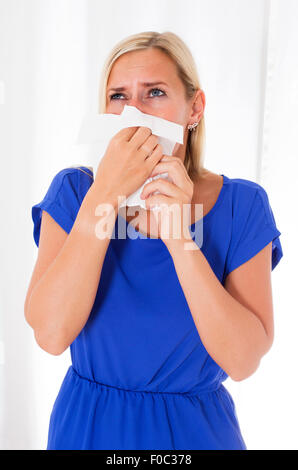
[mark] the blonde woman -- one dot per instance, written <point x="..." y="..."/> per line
<point x="155" y="323"/>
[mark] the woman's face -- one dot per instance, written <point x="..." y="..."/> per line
<point x="166" y="100"/>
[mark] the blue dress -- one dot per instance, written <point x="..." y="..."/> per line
<point x="140" y="376"/>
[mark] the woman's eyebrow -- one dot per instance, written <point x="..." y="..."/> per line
<point x="146" y="84"/>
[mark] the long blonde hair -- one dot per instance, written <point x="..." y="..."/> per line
<point x="177" y="50"/>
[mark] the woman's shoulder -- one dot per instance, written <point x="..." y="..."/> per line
<point x="243" y="183"/>
<point x="69" y="175"/>
<point x="79" y="177"/>
<point x="73" y="181"/>
<point x="241" y="192"/>
<point x="78" y="169"/>
<point x="246" y="191"/>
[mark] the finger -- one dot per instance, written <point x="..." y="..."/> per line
<point x="157" y="200"/>
<point x="140" y="136"/>
<point x="163" y="186"/>
<point x="126" y="133"/>
<point x="174" y="171"/>
<point x="148" y="147"/>
<point x="171" y="158"/>
<point x="154" y="157"/>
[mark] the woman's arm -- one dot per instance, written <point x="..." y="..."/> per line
<point x="61" y="301"/>
<point x="236" y="333"/>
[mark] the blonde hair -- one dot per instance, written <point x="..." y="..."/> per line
<point x="177" y="50"/>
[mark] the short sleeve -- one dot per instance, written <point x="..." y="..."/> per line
<point x="62" y="199"/>
<point x="253" y="228"/>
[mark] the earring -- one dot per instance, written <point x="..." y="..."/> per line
<point x="192" y="126"/>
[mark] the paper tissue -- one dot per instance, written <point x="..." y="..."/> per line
<point x="97" y="131"/>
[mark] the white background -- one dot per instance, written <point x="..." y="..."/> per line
<point x="51" y="54"/>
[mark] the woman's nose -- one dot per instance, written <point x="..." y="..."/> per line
<point x="136" y="103"/>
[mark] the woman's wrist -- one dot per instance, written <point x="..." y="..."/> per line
<point x="101" y="194"/>
<point x="98" y="213"/>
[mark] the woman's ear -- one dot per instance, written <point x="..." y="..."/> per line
<point x="198" y="106"/>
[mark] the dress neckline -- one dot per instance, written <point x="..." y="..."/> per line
<point x="191" y="226"/>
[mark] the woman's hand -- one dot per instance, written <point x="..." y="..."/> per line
<point x="126" y="165"/>
<point x="173" y="213"/>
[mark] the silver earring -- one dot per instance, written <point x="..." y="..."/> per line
<point x="192" y="126"/>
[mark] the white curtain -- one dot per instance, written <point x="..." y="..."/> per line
<point x="51" y="54"/>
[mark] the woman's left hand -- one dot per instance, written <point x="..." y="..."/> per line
<point x="173" y="213"/>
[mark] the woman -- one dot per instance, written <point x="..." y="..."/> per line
<point x="155" y="323"/>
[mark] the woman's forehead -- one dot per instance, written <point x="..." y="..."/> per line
<point x="151" y="68"/>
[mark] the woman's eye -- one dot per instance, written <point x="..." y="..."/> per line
<point x="112" y="96"/>
<point x="157" y="90"/>
<point x="153" y="89"/>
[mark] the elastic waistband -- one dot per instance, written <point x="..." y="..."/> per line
<point x="112" y="387"/>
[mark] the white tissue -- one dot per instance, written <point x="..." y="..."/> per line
<point x="97" y="131"/>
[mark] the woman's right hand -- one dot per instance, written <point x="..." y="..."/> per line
<point x="129" y="159"/>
